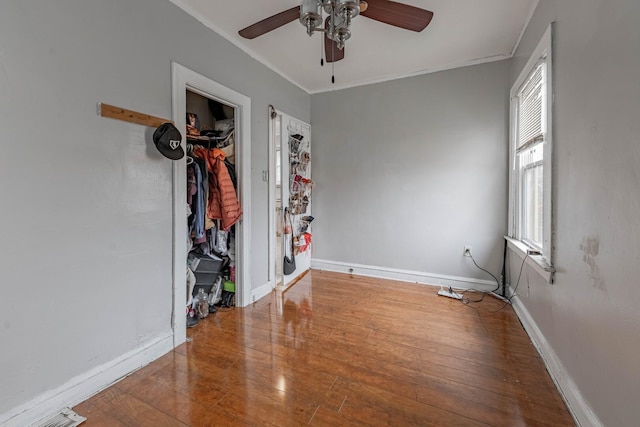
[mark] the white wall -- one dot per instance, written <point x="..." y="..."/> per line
<point x="407" y="172"/>
<point x="85" y="259"/>
<point x="590" y="316"/>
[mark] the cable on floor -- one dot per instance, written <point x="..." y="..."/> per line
<point x="467" y="300"/>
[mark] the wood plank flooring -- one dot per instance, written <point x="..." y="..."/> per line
<point x="341" y="350"/>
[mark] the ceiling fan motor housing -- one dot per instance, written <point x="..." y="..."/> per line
<point x="340" y="12"/>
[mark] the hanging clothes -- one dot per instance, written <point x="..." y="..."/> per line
<point x="223" y="202"/>
<point x="208" y="222"/>
<point x="196" y="199"/>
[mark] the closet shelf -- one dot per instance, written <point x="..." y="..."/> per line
<point x="198" y="138"/>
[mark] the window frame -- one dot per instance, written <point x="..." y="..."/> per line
<point x="543" y="52"/>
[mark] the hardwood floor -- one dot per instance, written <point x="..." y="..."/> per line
<point x="336" y="350"/>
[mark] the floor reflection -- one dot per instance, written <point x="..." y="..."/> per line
<point x="296" y="313"/>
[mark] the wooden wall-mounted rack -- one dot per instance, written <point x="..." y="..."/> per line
<point x="106" y="110"/>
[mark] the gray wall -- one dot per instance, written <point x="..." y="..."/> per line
<point x="85" y="260"/>
<point x="590" y="316"/>
<point x="409" y="171"/>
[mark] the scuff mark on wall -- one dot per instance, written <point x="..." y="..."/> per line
<point x="590" y="248"/>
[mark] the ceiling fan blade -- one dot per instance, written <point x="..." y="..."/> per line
<point x="398" y="14"/>
<point x="270" y="23"/>
<point x="331" y="51"/>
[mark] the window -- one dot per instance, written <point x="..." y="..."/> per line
<point x="530" y="152"/>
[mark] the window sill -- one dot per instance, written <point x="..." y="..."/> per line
<point x="538" y="263"/>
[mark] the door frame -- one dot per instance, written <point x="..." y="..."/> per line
<point x="183" y="79"/>
<point x="271" y="175"/>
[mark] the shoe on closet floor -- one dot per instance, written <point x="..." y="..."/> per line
<point x="192" y="318"/>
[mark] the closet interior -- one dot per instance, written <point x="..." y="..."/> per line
<point x="213" y="206"/>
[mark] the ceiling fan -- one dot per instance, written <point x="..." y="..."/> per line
<point x="337" y="24"/>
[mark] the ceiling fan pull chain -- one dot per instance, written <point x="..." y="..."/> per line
<point x="333" y="63"/>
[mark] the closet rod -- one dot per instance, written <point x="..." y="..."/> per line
<point x="113" y="112"/>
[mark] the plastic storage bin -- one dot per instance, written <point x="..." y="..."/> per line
<point x="206" y="268"/>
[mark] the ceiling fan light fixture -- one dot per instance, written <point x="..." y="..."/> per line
<point x="310" y="15"/>
<point x="348" y="8"/>
<point x="341" y="35"/>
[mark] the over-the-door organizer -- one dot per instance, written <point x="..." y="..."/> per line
<point x="300" y="187"/>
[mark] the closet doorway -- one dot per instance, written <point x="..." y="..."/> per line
<point x="185" y="81"/>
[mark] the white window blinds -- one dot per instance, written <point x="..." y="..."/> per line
<point x="530" y="109"/>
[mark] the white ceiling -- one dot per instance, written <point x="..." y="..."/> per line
<point x="462" y="32"/>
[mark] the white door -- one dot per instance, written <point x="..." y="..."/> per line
<point x="291" y="143"/>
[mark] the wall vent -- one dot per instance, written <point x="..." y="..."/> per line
<point x="66" y="418"/>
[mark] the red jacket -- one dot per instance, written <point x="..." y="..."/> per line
<point x="223" y="202"/>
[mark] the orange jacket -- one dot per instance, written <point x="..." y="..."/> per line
<point x="223" y="202"/>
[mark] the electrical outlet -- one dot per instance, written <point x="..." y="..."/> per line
<point x="467" y="251"/>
